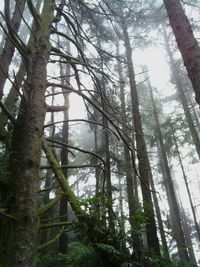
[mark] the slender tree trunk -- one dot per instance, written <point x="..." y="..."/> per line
<point x="186" y="184"/>
<point x="63" y="240"/>
<point x="45" y="233"/>
<point x="108" y="174"/>
<point x="187" y="232"/>
<point x="173" y="204"/>
<point x="160" y="222"/>
<point x="26" y="151"/>
<point x="182" y="96"/>
<point x="195" y="116"/>
<point x="157" y="208"/>
<point x="122" y="215"/>
<point x="144" y="166"/>
<point x="9" y="47"/>
<point x="186" y="42"/>
<point x="106" y="144"/>
<point x="13" y="94"/>
<point x="133" y="203"/>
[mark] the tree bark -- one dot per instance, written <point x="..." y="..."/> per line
<point x="144" y="166"/>
<point x="26" y="150"/>
<point x="133" y="202"/>
<point x="171" y="196"/>
<point x="186" y="42"/>
<point x="63" y="240"/>
<point x="160" y="222"/>
<point x="106" y="145"/>
<point x="187" y="232"/>
<point x="186" y="184"/>
<point x="181" y="94"/>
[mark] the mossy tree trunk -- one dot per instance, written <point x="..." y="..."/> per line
<point x="26" y="150"/>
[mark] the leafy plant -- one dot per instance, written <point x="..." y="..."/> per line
<point x="52" y="261"/>
<point x="83" y="256"/>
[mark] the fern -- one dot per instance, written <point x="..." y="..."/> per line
<point x="108" y="249"/>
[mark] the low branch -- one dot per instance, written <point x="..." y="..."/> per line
<point x="53" y="240"/>
<point x="48" y="189"/>
<point x="34" y="12"/>
<point x="71" y="197"/>
<point x="76" y="148"/>
<point x="83" y="120"/>
<point x="44" y="167"/>
<point x="57" y="224"/>
<point x="56" y="108"/>
<point x="10" y="116"/>
<point x="49" y="205"/>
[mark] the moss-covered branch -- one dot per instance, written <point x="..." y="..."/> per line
<point x="72" y="166"/>
<point x="53" y="240"/>
<point x="57" y="224"/>
<point x="63" y="181"/>
<point x="49" y="205"/>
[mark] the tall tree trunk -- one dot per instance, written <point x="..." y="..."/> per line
<point x="195" y="116"/>
<point x="173" y="204"/>
<point x="144" y="166"/>
<point x="26" y="151"/>
<point x="187" y="232"/>
<point x="63" y="240"/>
<point x="9" y="47"/>
<point x="160" y="222"/>
<point x="121" y="212"/>
<point x="186" y="42"/>
<point x="186" y="184"/>
<point x="106" y="145"/>
<point x="13" y="94"/>
<point x="133" y="203"/>
<point x="181" y="94"/>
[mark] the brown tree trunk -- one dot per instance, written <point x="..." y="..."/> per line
<point x="133" y="203"/>
<point x="63" y="240"/>
<point x="160" y="222"/>
<point x="186" y="184"/>
<point x="187" y="232"/>
<point x="144" y="166"/>
<point x="182" y="97"/>
<point x="173" y="204"/>
<point x="13" y="94"/>
<point x="26" y="151"/>
<point x="186" y="42"/>
<point x="9" y="47"/>
<point x="122" y="215"/>
<point x="106" y="145"/>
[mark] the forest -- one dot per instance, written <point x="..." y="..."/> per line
<point x="99" y="133"/>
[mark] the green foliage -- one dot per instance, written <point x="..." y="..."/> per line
<point x="110" y="250"/>
<point x="83" y="256"/>
<point x="161" y="262"/>
<point x="79" y="255"/>
<point x="52" y="261"/>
